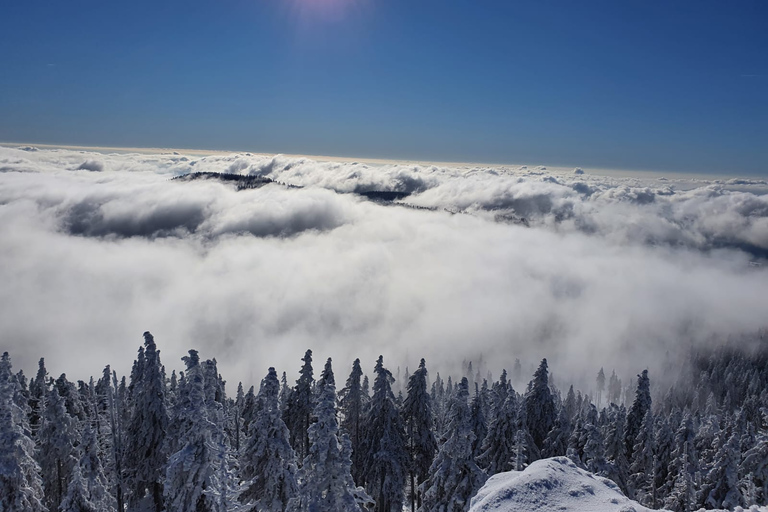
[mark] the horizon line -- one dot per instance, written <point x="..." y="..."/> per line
<point x="627" y="172"/>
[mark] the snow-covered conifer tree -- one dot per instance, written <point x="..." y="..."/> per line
<point x="92" y="473"/>
<point x="325" y="477"/>
<point x="479" y="422"/>
<point x="57" y="452"/>
<point x="299" y="410"/>
<point x="76" y="498"/>
<point x="386" y="456"/>
<point x="637" y="413"/>
<point x="498" y="446"/>
<point x="754" y="469"/>
<point x="351" y="404"/>
<point x="642" y="480"/>
<point x="720" y="486"/>
<point x="417" y="415"/>
<point x="38" y="388"/>
<point x="682" y="495"/>
<point x="454" y="476"/>
<point x="539" y="408"/>
<point x="268" y="463"/>
<point x="600" y="386"/>
<point x="556" y="443"/>
<point x="191" y="481"/>
<point x="145" y="436"/>
<point x="20" y="484"/>
<point x="615" y="448"/>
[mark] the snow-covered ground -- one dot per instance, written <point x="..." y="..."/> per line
<point x="555" y="484"/>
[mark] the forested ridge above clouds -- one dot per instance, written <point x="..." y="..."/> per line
<point x="177" y="441"/>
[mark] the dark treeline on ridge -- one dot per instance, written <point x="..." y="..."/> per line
<point x="153" y="441"/>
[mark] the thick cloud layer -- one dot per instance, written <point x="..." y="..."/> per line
<point x="498" y="263"/>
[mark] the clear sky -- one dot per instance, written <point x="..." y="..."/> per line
<point x="669" y="85"/>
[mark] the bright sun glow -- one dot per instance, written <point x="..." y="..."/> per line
<point x="325" y="10"/>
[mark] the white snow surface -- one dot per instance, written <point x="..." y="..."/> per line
<point x="555" y="484"/>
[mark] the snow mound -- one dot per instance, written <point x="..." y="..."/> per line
<point x="555" y="484"/>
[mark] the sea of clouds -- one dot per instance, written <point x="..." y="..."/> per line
<point x="472" y="262"/>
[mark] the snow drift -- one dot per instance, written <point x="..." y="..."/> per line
<point x="555" y="484"/>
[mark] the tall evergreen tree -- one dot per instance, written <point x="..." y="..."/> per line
<point x="38" y="388"/>
<point x="454" y="476"/>
<point x="268" y="463"/>
<point x="479" y="422"/>
<point x="351" y="404"/>
<point x="720" y="486"/>
<point x="498" y="446"/>
<point x="417" y="416"/>
<point x="299" y="410"/>
<point x="600" y="386"/>
<point x="637" y="413"/>
<point x="191" y="475"/>
<point x="386" y="456"/>
<point x="57" y="449"/>
<point x="615" y="448"/>
<point x="326" y="478"/>
<point x="20" y="484"/>
<point x="642" y="478"/>
<point x="556" y="443"/>
<point x="92" y="473"/>
<point x="146" y="434"/>
<point x="539" y="407"/>
<point x="76" y="498"/>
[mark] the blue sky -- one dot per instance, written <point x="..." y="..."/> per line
<point x="678" y="86"/>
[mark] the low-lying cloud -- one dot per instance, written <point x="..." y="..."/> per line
<point x="498" y="263"/>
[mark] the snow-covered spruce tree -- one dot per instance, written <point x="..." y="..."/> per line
<point x="110" y="434"/>
<point x="325" y="478"/>
<point x="268" y="463"/>
<point x="479" y="422"/>
<point x="720" y="485"/>
<point x="614" y="389"/>
<point x="454" y="476"/>
<point x="615" y="449"/>
<point x="386" y="456"/>
<point x="351" y="405"/>
<point x="642" y="479"/>
<point x="417" y="416"/>
<point x="556" y="443"/>
<point x="520" y="451"/>
<point x="38" y="388"/>
<point x="523" y="442"/>
<point x="499" y="391"/>
<point x="145" y="455"/>
<point x="637" y="413"/>
<point x="437" y="394"/>
<point x="600" y="381"/>
<point x="681" y="496"/>
<point x="92" y="473"/>
<point x="236" y="418"/>
<point x="498" y="446"/>
<point x="539" y="408"/>
<point x="594" y="446"/>
<point x="248" y="413"/>
<point x="664" y="445"/>
<point x="191" y="477"/>
<point x="754" y="471"/>
<point x="56" y="449"/>
<point x="76" y="498"/>
<point x="20" y="484"/>
<point x="576" y="442"/>
<point x="299" y="410"/>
